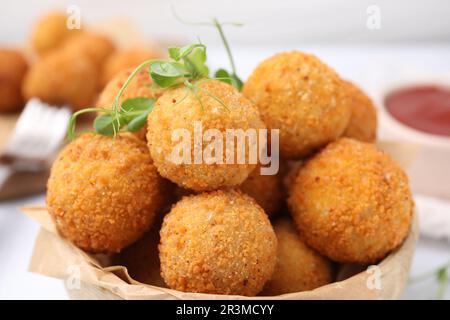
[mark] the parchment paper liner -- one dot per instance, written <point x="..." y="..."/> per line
<point x="54" y="256"/>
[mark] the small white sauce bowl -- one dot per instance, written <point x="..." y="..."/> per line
<point x="429" y="168"/>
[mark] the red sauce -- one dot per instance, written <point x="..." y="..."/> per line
<point x="425" y="108"/>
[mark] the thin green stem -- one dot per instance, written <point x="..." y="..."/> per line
<point x="215" y="98"/>
<point x="441" y="291"/>
<point x="215" y="78"/>
<point x="182" y="99"/>
<point x="442" y="276"/>
<point x="225" y="43"/>
<point x="194" y="89"/>
<point x="127" y="82"/>
<point x="73" y="118"/>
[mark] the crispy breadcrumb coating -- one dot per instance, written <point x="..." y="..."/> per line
<point x="292" y="167"/>
<point x="351" y="202"/>
<point x="122" y="60"/>
<point x="13" y="67"/>
<point x="179" y="109"/>
<point x="363" y="121"/>
<point x="298" y="268"/>
<point x="62" y="77"/>
<point x="219" y="242"/>
<point x="103" y="192"/>
<point x="140" y="86"/>
<point x="304" y="98"/>
<point x="50" y="32"/>
<point x="267" y="190"/>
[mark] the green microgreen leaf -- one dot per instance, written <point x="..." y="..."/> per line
<point x="197" y="63"/>
<point x="187" y="67"/>
<point x="137" y="111"/>
<point x="178" y="53"/>
<point x="224" y="76"/>
<point x="233" y="78"/>
<point x="138" y="104"/>
<point x="166" y="74"/>
<point x="107" y="124"/>
<point x="138" y="122"/>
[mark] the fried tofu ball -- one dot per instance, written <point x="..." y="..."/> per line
<point x="303" y="98"/>
<point x="298" y="268"/>
<point x="351" y="202"/>
<point x="122" y="60"/>
<point x="13" y="67"/>
<point x="265" y="189"/>
<point x="363" y="121"/>
<point x="142" y="259"/>
<point x="178" y="111"/>
<point x="62" y="77"/>
<point x="103" y="192"/>
<point x="219" y="242"/>
<point x="50" y="32"/>
<point x="95" y="46"/>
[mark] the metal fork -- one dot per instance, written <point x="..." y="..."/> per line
<point x="35" y="139"/>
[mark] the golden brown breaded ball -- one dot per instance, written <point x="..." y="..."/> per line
<point x="351" y="202"/>
<point x="303" y="98"/>
<point x="142" y="259"/>
<point x="122" y="60"/>
<point x="97" y="47"/>
<point x="103" y="192"/>
<point x="13" y="67"/>
<point x="267" y="190"/>
<point x="363" y="121"/>
<point x="298" y="268"/>
<point x="62" y="77"/>
<point x="50" y="32"/>
<point x="219" y="242"/>
<point x="292" y="167"/>
<point x="140" y="86"/>
<point x="178" y="111"/>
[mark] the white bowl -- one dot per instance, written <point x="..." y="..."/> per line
<point x="429" y="168"/>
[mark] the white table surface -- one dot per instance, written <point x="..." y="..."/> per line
<point x="359" y="63"/>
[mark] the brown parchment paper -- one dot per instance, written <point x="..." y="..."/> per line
<point x="56" y="257"/>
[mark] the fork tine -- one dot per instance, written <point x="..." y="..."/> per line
<point x="17" y="136"/>
<point x="57" y="131"/>
<point x="39" y="130"/>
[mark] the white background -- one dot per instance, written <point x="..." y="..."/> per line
<point x="275" y="22"/>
